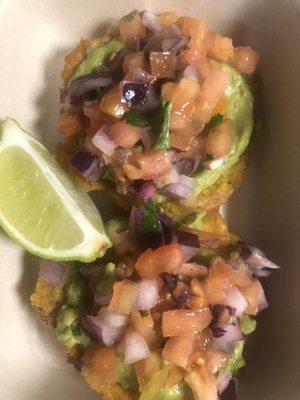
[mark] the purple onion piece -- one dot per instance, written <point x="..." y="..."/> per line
<point x="149" y="21"/>
<point x="140" y="95"/>
<point x="227" y="333"/>
<point x="54" y="272"/>
<point x="223" y="380"/>
<point x="89" y="166"/>
<point x="259" y="265"/>
<point x="192" y="72"/>
<point x="175" y="44"/>
<point x="186" y="238"/>
<point x="231" y="391"/>
<point x="176" y="191"/>
<point x="217" y="331"/>
<point x="89" y="82"/>
<point x="135" y="218"/>
<point x="147" y="191"/>
<point x="186" y="166"/>
<point x="154" y="43"/>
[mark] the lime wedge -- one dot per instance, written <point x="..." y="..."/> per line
<point x="40" y="206"/>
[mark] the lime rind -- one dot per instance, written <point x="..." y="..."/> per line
<point x="85" y="222"/>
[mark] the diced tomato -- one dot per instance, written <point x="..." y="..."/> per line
<point x="202" y="112"/>
<point x="219" y="282"/>
<point x="124" y="135"/>
<point x="177" y="350"/>
<point x="185" y="322"/>
<point x="183" y="102"/>
<point x="148" y="165"/>
<point x="111" y="104"/>
<point x="124" y="296"/>
<point x="198" y="57"/>
<point x="245" y="60"/>
<point x="70" y="124"/>
<point x="219" y="140"/>
<point x="133" y="61"/>
<point x="168" y="258"/>
<point x="196" y="29"/>
<point x="132" y="29"/>
<point x="182" y="139"/>
<point x="220" y="48"/>
<point x="199" y="289"/>
<point x="94" y="126"/>
<point x="167" y="90"/>
<point x="193" y="270"/>
<point x="221" y="106"/>
<point x="214" y="86"/>
<point x="240" y="277"/>
<point x="175" y="376"/>
<point x="252" y="295"/>
<point x="162" y="64"/>
<point x="146" y="368"/>
<point x="215" y="360"/>
<point x="101" y="367"/>
<point x="202" y="383"/>
<point x="144" y="326"/>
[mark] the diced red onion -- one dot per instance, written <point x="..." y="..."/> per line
<point x="187" y="181"/>
<point x="102" y="299"/>
<point x="140" y="95"/>
<point x="148" y="295"/>
<point x="136" y="348"/>
<point x="175" y="44"/>
<point x="237" y="301"/>
<point x="147" y="191"/>
<point x="89" y="82"/>
<point x="54" y="272"/>
<point x="154" y="43"/>
<point x="87" y="165"/>
<point x="103" y="142"/>
<point x="225" y="347"/>
<point x="113" y="319"/>
<point x="215" y="163"/>
<point x="109" y="327"/>
<point x="174" y="30"/>
<point x="186" y="166"/>
<point x="135" y="218"/>
<point x="176" y="191"/>
<point x="192" y="72"/>
<point x="223" y="381"/>
<point x="262" y="301"/>
<point x="171" y="176"/>
<point x="147" y="138"/>
<point x="231" y="333"/>
<point x="189" y="243"/>
<point x="149" y="20"/>
<point x="231" y="391"/>
<point x="257" y="261"/>
<point x="187" y="238"/>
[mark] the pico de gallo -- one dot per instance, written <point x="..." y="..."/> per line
<point x="159" y="109"/>
<point x="164" y="315"/>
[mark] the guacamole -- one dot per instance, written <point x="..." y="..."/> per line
<point x="240" y="111"/>
<point x="97" y="58"/>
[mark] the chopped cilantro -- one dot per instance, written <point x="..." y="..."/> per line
<point x="161" y="119"/>
<point x="150" y="222"/>
<point x="135" y="118"/>
<point x="75" y="328"/>
<point x="108" y="176"/>
<point x="144" y="313"/>
<point x="215" y="121"/>
<point x="129" y="17"/>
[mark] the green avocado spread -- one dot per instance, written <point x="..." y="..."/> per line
<point x="97" y="58"/>
<point x="240" y="112"/>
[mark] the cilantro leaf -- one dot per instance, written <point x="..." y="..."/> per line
<point x="215" y="121"/>
<point x="75" y="328"/>
<point x="108" y="176"/>
<point x="129" y="17"/>
<point x="150" y="222"/>
<point x="135" y="118"/>
<point x="237" y="361"/>
<point x="144" y="313"/>
<point x="161" y="122"/>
